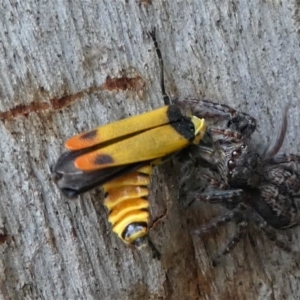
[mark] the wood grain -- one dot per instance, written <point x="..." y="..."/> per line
<point x="70" y="66"/>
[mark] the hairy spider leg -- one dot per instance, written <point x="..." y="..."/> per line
<point x="238" y="122"/>
<point x="221" y="196"/>
<point x="270" y="233"/>
<point x="221" y="220"/>
<point x="242" y="225"/>
<point x="284" y="158"/>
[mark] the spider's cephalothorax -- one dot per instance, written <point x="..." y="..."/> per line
<point x="246" y="179"/>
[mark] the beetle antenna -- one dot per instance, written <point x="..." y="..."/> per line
<point x="166" y="98"/>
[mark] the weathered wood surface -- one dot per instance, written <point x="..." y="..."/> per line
<point x="58" y="65"/>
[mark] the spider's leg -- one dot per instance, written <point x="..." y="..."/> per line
<point x="226" y="135"/>
<point x="215" y="183"/>
<point x="242" y="224"/>
<point x="220" y="196"/>
<point x="271" y="234"/>
<point x="273" y="149"/>
<point x="236" y="121"/>
<point x="221" y="220"/>
<point x="284" y="158"/>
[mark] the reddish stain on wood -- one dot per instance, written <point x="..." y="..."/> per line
<point x="24" y="110"/>
<point x="5" y="238"/>
<point x="145" y="2"/>
<point x="123" y="83"/>
<point x="65" y="101"/>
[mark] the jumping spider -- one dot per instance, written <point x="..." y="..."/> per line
<point x="248" y="182"/>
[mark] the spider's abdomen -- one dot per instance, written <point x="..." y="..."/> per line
<point x="278" y="201"/>
<point x="272" y="206"/>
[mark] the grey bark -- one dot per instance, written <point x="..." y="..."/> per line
<point x="56" y="60"/>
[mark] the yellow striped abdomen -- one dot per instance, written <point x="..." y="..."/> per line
<point x="128" y="206"/>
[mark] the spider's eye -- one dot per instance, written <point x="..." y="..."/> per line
<point x="231" y="164"/>
<point x="243" y="146"/>
<point x="236" y="152"/>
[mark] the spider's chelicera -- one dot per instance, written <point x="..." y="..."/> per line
<point x="249" y="181"/>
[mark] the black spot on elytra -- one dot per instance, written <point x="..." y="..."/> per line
<point x="89" y="135"/>
<point x="102" y="159"/>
